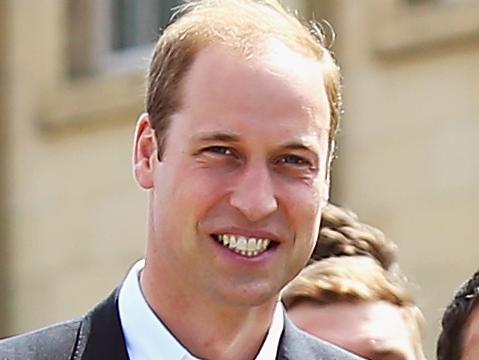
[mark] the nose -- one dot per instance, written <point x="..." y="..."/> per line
<point x="254" y="193"/>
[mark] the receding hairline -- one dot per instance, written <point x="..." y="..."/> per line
<point x="236" y="23"/>
<point x="242" y="25"/>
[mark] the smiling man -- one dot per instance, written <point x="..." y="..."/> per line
<point x="234" y="151"/>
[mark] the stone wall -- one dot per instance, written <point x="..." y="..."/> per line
<point x="75" y="216"/>
<point x="3" y="156"/>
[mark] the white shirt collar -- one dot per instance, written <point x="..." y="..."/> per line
<point x="147" y="338"/>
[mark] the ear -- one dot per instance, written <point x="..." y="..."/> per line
<point x="144" y="152"/>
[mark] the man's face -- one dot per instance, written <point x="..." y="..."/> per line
<point x="470" y="338"/>
<point x="374" y="330"/>
<point x="236" y="199"/>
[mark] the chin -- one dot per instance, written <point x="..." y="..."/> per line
<point x="244" y="296"/>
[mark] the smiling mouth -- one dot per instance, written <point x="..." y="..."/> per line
<point x="242" y="245"/>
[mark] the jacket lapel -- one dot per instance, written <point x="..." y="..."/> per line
<point x="101" y="338"/>
<point x="102" y="331"/>
<point x="287" y="343"/>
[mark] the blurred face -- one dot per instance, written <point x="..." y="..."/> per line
<point x="235" y="201"/>
<point x="373" y="330"/>
<point x="470" y="345"/>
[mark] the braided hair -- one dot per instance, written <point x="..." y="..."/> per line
<point x="342" y="234"/>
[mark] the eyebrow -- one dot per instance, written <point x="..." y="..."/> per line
<point x="216" y="136"/>
<point x="298" y="146"/>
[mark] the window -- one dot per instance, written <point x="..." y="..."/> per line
<point x="113" y="35"/>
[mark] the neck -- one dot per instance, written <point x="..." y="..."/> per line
<point x="206" y="328"/>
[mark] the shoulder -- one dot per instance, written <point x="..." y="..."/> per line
<point x="323" y="350"/>
<point x="56" y="342"/>
<point x="296" y="344"/>
<point x="95" y="336"/>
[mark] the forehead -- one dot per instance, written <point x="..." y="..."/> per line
<point x="373" y="327"/>
<point x="272" y="79"/>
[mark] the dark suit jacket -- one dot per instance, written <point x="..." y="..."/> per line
<point x="98" y="336"/>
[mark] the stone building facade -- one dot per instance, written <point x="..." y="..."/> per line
<point x="72" y="220"/>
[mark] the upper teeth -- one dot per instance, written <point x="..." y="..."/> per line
<point x="244" y="245"/>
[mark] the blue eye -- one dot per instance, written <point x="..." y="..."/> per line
<point x="294" y="160"/>
<point x="222" y="150"/>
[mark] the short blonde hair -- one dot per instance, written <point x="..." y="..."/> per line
<point x="241" y="25"/>
<point x="355" y="279"/>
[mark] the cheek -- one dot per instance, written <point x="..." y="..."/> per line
<point x="207" y="182"/>
<point x="198" y="189"/>
<point x="302" y="203"/>
<point x="302" y="207"/>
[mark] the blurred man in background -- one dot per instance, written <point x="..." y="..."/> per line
<point x="355" y="297"/>
<point x="459" y="338"/>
